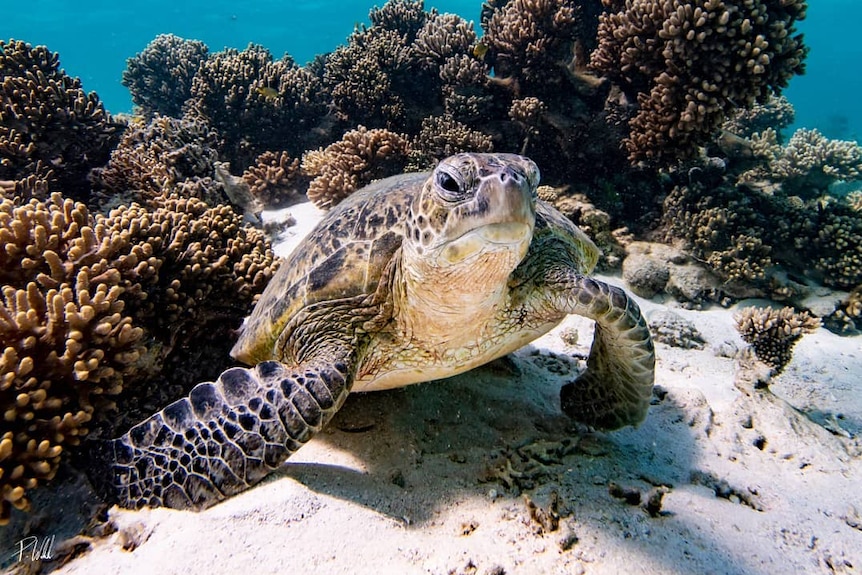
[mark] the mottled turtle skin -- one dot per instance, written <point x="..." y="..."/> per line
<point x="414" y="278"/>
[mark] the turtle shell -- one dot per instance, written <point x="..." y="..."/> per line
<point x="344" y="256"/>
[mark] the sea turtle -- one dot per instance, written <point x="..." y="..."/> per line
<point x="415" y="277"/>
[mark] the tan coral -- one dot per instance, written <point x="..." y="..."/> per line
<point x="692" y="63"/>
<point x="275" y="179"/>
<point x="362" y="155"/>
<point x="443" y="136"/>
<point x="773" y="333"/>
<point x="93" y="305"/>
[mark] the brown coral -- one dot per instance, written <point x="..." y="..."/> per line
<point x="530" y="39"/>
<point x="691" y="63"/>
<point x="257" y="103"/>
<point x="275" y="179"/>
<point x="93" y="306"/>
<point x="47" y="121"/>
<point x="443" y="136"/>
<point x="343" y="167"/>
<point x="443" y="36"/>
<point x="808" y="164"/>
<point x="773" y="333"/>
<point x="65" y="339"/>
<point x="154" y="157"/>
<point x="160" y="77"/>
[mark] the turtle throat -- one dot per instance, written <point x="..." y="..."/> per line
<point x="446" y="298"/>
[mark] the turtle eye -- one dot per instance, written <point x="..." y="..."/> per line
<point x="449" y="187"/>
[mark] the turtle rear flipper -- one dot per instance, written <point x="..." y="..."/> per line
<point x="615" y="389"/>
<point x="226" y="435"/>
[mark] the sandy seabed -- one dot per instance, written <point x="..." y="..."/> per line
<point x="482" y="474"/>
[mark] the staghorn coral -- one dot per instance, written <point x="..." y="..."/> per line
<point x="362" y="155"/>
<point x="257" y="104"/>
<point x="154" y="157"/>
<point x="691" y="63"/>
<point x="160" y="77"/>
<point x="808" y="164"/>
<point x="49" y="127"/>
<point x="96" y="306"/>
<point x="773" y="333"/>
<point x="275" y="179"/>
<point x="443" y="136"/>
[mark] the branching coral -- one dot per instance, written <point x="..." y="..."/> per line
<point x="64" y="335"/>
<point x="275" y="179"/>
<point x="723" y="227"/>
<point x="691" y="63"/>
<point x="48" y="122"/>
<point x="773" y="333"/>
<point x="361" y="77"/>
<point x="530" y="39"/>
<point x="343" y="167"/>
<point x="776" y="113"/>
<point x="154" y="157"/>
<point x="443" y="36"/>
<point x="257" y="104"/>
<point x="93" y="305"/>
<point x="809" y="162"/>
<point x="406" y="17"/>
<point x="443" y="136"/>
<point x="160" y="77"/>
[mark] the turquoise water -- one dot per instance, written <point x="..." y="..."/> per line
<point x="95" y="38"/>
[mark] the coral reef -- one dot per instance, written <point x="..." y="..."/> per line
<point x="690" y="64"/>
<point x="258" y="104"/>
<point x="64" y="336"/>
<point x="49" y="127"/>
<point x="160" y="77"/>
<point x="275" y="179"/>
<point x="775" y="113"/>
<point x="343" y="167"/>
<point x="528" y="39"/>
<point x="154" y="157"/>
<point x="443" y="136"/>
<point x="808" y="164"/>
<point x="773" y="333"/>
<point x="95" y="305"/>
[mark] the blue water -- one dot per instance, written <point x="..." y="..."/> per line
<point x="94" y="39"/>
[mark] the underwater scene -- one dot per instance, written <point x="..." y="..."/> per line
<point x="623" y="239"/>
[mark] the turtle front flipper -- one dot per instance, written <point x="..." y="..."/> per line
<point x="226" y="435"/>
<point x="615" y="389"/>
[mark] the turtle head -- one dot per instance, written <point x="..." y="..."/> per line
<point x="475" y="208"/>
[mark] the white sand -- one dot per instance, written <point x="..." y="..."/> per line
<point x="409" y="481"/>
